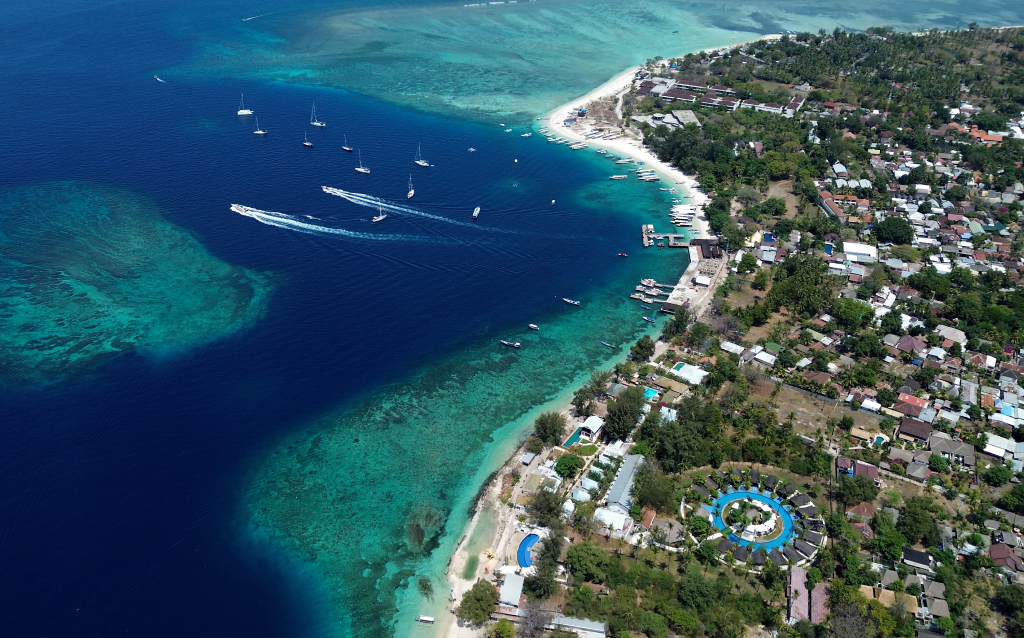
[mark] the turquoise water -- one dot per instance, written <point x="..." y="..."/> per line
<point x="91" y="272"/>
<point x="574" y="439"/>
<point x="787" y="519"/>
<point x="523" y="554"/>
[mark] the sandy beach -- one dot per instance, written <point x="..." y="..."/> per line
<point x="447" y="625"/>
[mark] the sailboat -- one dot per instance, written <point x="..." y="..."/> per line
<point x="476" y="212"/>
<point x="419" y="158"/>
<point x="361" y="168"/>
<point x="258" y="130"/>
<point x="312" y="118"/>
<point x="345" y="146"/>
<point x="380" y="214"/>
<point x="306" y="141"/>
<point x="241" y="106"/>
<point x="411" y="191"/>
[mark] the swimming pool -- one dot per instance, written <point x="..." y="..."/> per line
<point x="574" y="439"/>
<point x="523" y="554"/>
<point x="721" y="502"/>
<point x="650" y="393"/>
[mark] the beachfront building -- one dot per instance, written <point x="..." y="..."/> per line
<point x="591" y="427"/>
<point x="510" y="595"/>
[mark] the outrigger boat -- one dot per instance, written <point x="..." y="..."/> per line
<point x="510" y="344"/>
<point x="570" y="301"/>
<point x="608" y="345"/>
<point x="533" y="326"/>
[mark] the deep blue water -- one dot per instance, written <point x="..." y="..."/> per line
<point x="120" y="488"/>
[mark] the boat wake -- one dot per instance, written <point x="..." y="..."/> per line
<point x="291" y="222"/>
<point x="374" y="202"/>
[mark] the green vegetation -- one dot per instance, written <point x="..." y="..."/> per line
<point x="478" y="603"/>
<point x="568" y="465"/>
<point x="894" y="230"/>
<point x="623" y="413"/>
<point x="643" y="349"/>
<point x="550" y="428"/>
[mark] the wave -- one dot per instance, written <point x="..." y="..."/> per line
<point x="371" y="201"/>
<point x="291" y="222"/>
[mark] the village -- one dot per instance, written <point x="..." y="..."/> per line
<point x="835" y="441"/>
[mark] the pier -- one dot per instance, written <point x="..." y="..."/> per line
<point x="651" y="238"/>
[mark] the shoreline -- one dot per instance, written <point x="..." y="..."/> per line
<point x="488" y="497"/>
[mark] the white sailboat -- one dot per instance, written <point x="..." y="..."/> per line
<point x="258" y="130"/>
<point x="312" y="117"/>
<point x="380" y="214"/>
<point x="306" y="141"/>
<point x="241" y="106"/>
<point x="345" y="146"/>
<point x="361" y="168"/>
<point x="411" y="191"/>
<point x="419" y="158"/>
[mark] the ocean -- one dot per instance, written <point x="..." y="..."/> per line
<point x="274" y="425"/>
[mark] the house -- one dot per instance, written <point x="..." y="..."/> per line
<point x="913" y="430"/>
<point x="1003" y="557"/>
<point x="954" y="451"/>
<point x="619" y="496"/>
<point x="864" y="510"/>
<point x="618" y="524"/>
<point x="582" y="628"/>
<point x="510" y="595"/>
<point x="911" y="344"/>
<point x="918" y="559"/>
<point x="861" y="253"/>
<point x="860" y="468"/>
<point x="592" y="427"/>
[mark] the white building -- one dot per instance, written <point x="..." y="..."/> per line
<point x="861" y="253"/>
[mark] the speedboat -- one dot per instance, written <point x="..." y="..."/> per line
<point x="510" y="344"/>
<point x="608" y="345"/>
<point x="472" y="150"/>
<point x="619" y="177"/>
<point x="648" y="320"/>
<point x="476" y="212"/>
<point x="570" y="301"/>
<point x="533" y="326"/>
<point x="623" y="255"/>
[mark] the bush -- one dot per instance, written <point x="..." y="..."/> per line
<point x="998" y="475"/>
<point x="568" y="465"/>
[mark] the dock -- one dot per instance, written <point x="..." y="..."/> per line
<point x="652" y="238"/>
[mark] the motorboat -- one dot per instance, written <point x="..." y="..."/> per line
<point x="623" y="255"/>
<point x="361" y="168"/>
<point x="476" y="212"/>
<point x="428" y="620"/>
<point x="619" y="177"/>
<point x="510" y="344"/>
<point x="241" y="104"/>
<point x="526" y="135"/>
<point x="570" y="301"/>
<point x="472" y="150"/>
<point x="313" y="120"/>
<point x="648" y="319"/>
<point x="533" y="326"/>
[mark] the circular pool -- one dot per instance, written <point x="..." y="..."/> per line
<point x="523" y="554"/>
<point x="720" y="504"/>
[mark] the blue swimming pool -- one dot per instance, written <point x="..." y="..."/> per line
<point x="650" y="393"/>
<point x="721" y="502"/>
<point x="525" y="560"/>
<point x="574" y="439"/>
